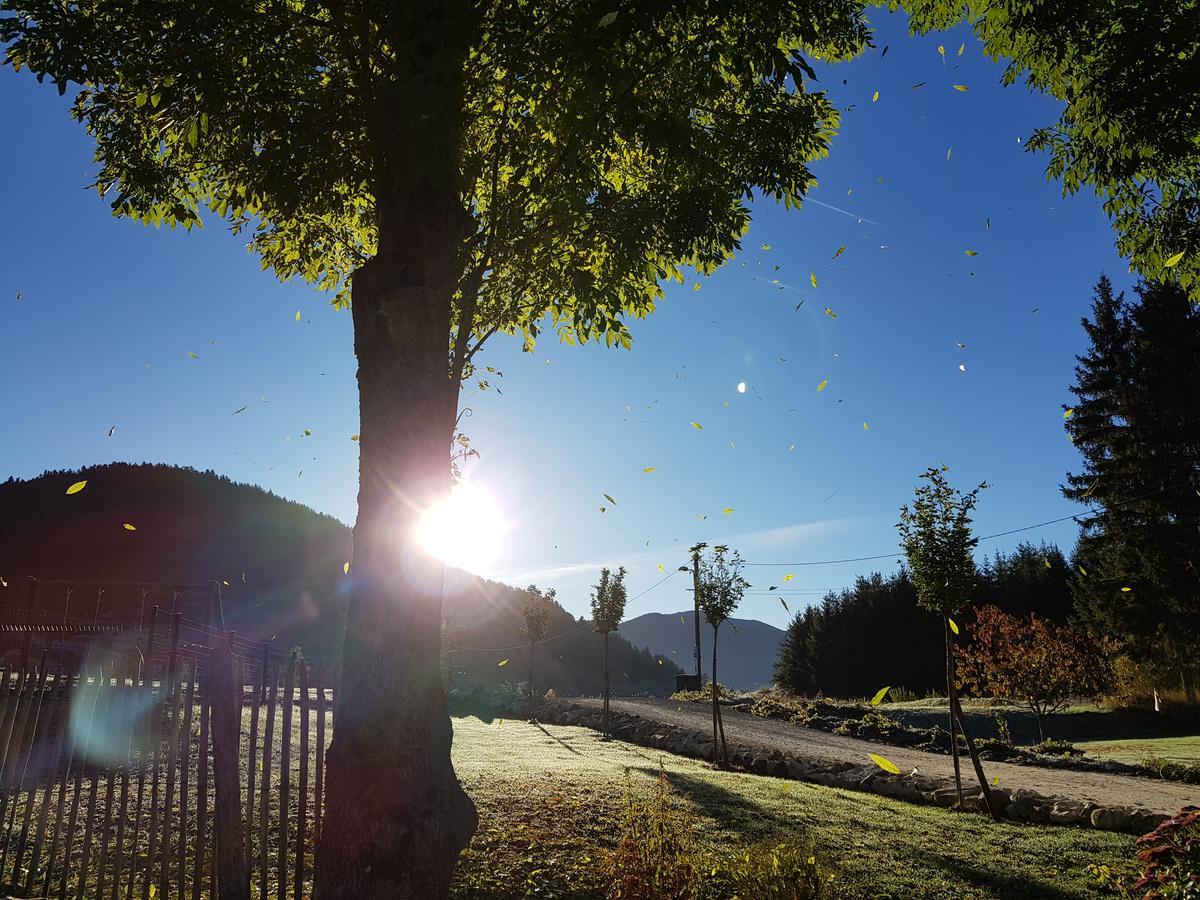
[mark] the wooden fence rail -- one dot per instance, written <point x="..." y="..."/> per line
<point x="172" y="762"/>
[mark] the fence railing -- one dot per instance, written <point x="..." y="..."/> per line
<point x="178" y="761"/>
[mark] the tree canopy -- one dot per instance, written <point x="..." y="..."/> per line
<point x="608" y="601"/>
<point x="601" y="150"/>
<point x="1130" y="125"/>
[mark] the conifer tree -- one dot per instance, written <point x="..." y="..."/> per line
<point x="1136" y="424"/>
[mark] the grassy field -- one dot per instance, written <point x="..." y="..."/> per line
<point x="1184" y="750"/>
<point x="550" y="801"/>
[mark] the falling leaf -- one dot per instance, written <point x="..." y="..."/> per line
<point x="884" y="763"/>
<point x="821" y="386"/>
<point x="962" y="367"/>
<point x="128" y="527"/>
<point x="503" y="662"/>
<point x="681" y="622"/>
<point x="193" y="355"/>
<point x="812" y="276"/>
<point x="111" y="430"/>
<point x="785" y="606"/>
<point x="885" y="50"/>
<point x="866" y="427"/>
<point x="961" y="87"/>
<point x="697" y="426"/>
<point x="728" y="510"/>
<point x="696" y="286"/>
<point x="948" y="151"/>
<point x="297" y="315"/>
<point x="919" y="84"/>
<point x="875" y="96"/>
<point x="766" y="246"/>
<point x="1082" y="570"/>
<point x="995" y="780"/>
<point x="236" y="411"/>
<point x="346" y="568"/>
<point x="971" y="252"/>
<point x="354" y="437"/>
<point x="961" y="345"/>
<point x="1070" y="412"/>
<point x="605" y="20"/>
<point x="953" y="625"/>
<point x="76" y="487"/>
<point x="961" y="48"/>
<point x="741" y="388"/>
<point x="609" y="498"/>
<point x="987" y="223"/>
<point x="829" y="312"/>
<point x="840" y="251"/>
<point x="649" y="469"/>
<point x="879" y="695"/>
<point x="1172" y="261"/>
<point x="1126" y="590"/>
<point x="660" y="662"/>
<point x="661" y="567"/>
<point x="789" y="577"/>
<point x="603" y="509"/>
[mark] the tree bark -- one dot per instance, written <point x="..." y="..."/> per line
<point x="396" y="817"/>
<point x="715" y="710"/>
<point x="605" y="732"/>
<point x="531" y="718"/>
<point x="988" y="800"/>
<point x="950" y="697"/>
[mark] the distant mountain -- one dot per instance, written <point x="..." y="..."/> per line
<point x="280" y="564"/>
<point x="745" y="653"/>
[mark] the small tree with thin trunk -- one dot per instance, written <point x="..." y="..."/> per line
<point x="536" y="610"/>
<point x="608" y="609"/>
<point x="721" y="588"/>
<point x="937" y="538"/>
<point x="1033" y="662"/>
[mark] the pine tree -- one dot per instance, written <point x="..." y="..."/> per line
<point x="1137" y="425"/>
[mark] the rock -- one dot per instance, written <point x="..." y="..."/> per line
<point x="1110" y="819"/>
<point x="1067" y="812"/>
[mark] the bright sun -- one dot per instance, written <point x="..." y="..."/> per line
<point x="466" y="530"/>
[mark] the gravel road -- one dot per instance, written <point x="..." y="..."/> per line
<point x="755" y="732"/>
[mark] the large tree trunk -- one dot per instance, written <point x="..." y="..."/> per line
<point x="396" y="817"/>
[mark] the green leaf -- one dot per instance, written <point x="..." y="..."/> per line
<point x="953" y="625"/>
<point x="503" y="662"/>
<point x="76" y="487"/>
<point x="879" y="695"/>
<point x="697" y="426"/>
<point x="607" y="19"/>
<point x="1172" y="261"/>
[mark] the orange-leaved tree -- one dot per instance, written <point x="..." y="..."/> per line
<point x="1033" y="662"/>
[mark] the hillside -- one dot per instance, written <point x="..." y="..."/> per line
<point x="281" y="567"/>
<point x="745" y="653"/>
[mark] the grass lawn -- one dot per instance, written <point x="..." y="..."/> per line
<point x="1184" y="750"/>
<point x="550" y="803"/>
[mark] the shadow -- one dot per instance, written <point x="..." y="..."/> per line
<point x="994" y="882"/>
<point x="727" y="808"/>
<point x="555" y="737"/>
<point x="1076" y="725"/>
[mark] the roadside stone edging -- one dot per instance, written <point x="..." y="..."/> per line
<point x="1018" y="805"/>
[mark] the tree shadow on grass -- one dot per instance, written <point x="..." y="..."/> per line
<point x="996" y="883"/>
<point x="727" y="808"/>
<point x="555" y="737"/>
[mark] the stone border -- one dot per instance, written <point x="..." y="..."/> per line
<point x="1018" y="805"/>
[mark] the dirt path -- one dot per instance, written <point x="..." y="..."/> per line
<point x="753" y="731"/>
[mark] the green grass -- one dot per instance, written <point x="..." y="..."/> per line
<point x="1184" y="750"/>
<point x="550" y="801"/>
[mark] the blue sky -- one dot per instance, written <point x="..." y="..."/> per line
<point x="109" y="311"/>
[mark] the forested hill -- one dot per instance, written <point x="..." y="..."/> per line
<point x="281" y="565"/>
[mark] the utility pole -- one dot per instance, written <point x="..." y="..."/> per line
<point x="696" y="604"/>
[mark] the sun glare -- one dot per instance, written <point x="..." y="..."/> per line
<point x="466" y="530"/>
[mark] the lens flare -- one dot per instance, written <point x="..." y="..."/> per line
<point x="467" y="530"/>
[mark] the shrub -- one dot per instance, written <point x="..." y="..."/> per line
<point x="704" y="695"/>
<point x="655" y="855"/>
<point x="1051" y="747"/>
<point x="1171" y="855"/>
<point x="659" y="858"/>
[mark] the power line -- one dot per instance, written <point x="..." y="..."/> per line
<point x="986" y="537"/>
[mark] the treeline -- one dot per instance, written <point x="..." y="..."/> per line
<point x="873" y="633"/>
<point x="1133" y="579"/>
<point x="280" y="565"/>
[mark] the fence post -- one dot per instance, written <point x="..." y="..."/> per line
<point x="32" y="585"/>
<point x="216" y="614"/>
<point x="233" y="876"/>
